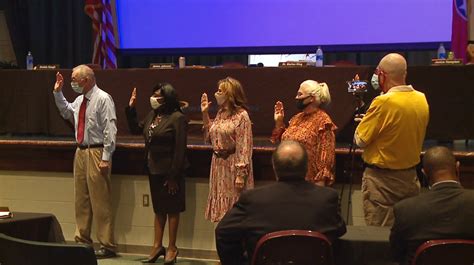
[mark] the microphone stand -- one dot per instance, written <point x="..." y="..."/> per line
<point x="359" y="109"/>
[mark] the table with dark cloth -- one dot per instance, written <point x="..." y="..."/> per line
<point x="364" y="245"/>
<point x="33" y="226"/>
<point x="27" y="103"/>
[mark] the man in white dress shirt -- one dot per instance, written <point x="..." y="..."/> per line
<point x="93" y="112"/>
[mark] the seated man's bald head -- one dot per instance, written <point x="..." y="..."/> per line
<point x="395" y="66"/>
<point x="290" y="160"/>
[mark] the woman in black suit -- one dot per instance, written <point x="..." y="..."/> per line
<point x="165" y="131"/>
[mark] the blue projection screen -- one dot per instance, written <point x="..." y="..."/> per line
<point x="188" y="24"/>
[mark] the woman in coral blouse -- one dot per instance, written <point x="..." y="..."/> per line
<point x="230" y="135"/>
<point x="313" y="128"/>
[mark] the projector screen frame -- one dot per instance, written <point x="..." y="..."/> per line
<point x="383" y="47"/>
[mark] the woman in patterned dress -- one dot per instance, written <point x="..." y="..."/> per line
<point x="230" y="135"/>
<point x="313" y="128"/>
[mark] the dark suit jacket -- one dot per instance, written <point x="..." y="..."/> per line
<point x="165" y="149"/>
<point x="446" y="211"/>
<point x="274" y="207"/>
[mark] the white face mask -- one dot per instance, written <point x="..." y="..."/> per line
<point x="154" y="103"/>
<point x="220" y="98"/>
<point x="78" y="89"/>
<point x="375" y="82"/>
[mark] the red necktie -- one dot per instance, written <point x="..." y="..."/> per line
<point x="81" y="123"/>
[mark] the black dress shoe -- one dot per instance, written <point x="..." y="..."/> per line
<point x="153" y="257"/>
<point x="104" y="253"/>
<point x="171" y="260"/>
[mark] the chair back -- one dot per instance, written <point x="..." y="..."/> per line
<point x="14" y="251"/>
<point x="296" y="247"/>
<point x="445" y="251"/>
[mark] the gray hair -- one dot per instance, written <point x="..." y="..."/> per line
<point x="321" y="90"/>
<point x="84" y="71"/>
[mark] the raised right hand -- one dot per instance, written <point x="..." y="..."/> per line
<point x="279" y="113"/>
<point x="133" y="98"/>
<point x="205" y="103"/>
<point x="59" y="82"/>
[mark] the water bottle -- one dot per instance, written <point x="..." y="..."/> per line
<point x="319" y="57"/>
<point x="441" y="52"/>
<point x="29" y="61"/>
<point x="182" y="62"/>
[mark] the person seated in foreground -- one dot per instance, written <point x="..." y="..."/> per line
<point x="289" y="203"/>
<point x="446" y="211"/>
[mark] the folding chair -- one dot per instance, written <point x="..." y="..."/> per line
<point x="445" y="251"/>
<point x="296" y="247"/>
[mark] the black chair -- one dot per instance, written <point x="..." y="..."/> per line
<point x="14" y="251"/>
<point x="445" y="251"/>
<point x="296" y="247"/>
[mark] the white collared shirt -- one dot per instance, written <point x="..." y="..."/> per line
<point x="100" y="122"/>
<point x="445" y="181"/>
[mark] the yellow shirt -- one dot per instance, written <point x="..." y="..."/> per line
<point x="394" y="128"/>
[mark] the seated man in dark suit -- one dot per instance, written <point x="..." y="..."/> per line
<point x="289" y="203"/>
<point x="446" y="211"/>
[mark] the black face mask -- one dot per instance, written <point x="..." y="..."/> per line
<point x="161" y="108"/>
<point x="300" y="103"/>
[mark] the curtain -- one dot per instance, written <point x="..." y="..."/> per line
<point x="55" y="31"/>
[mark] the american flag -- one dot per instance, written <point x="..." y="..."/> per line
<point x="459" y="35"/>
<point x="103" y="26"/>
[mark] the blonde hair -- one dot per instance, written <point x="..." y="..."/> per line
<point x="320" y="90"/>
<point x="235" y="93"/>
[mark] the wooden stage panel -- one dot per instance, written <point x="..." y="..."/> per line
<point x="29" y="154"/>
<point x="27" y="104"/>
<point x="32" y="127"/>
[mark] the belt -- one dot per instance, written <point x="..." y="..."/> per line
<point x="82" y="147"/>
<point x="380" y="168"/>
<point x="224" y="154"/>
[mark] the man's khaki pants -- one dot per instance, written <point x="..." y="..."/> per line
<point x="382" y="188"/>
<point x="92" y="198"/>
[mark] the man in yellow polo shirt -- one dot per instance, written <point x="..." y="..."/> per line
<point x="392" y="134"/>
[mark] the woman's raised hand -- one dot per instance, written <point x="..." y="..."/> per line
<point x="133" y="98"/>
<point x="205" y="103"/>
<point x="279" y="113"/>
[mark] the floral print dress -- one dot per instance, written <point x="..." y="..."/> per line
<point x="316" y="132"/>
<point x="231" y="138"/>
